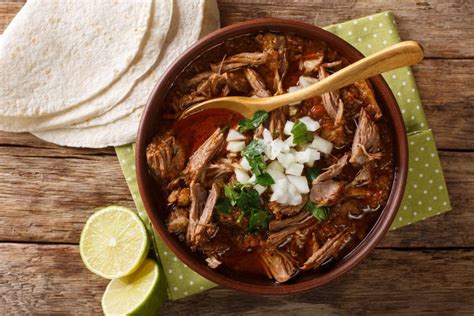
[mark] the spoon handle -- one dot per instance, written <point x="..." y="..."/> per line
<point x="399" y="55"/>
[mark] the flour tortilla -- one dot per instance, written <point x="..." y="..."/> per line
<point x="190" y="23"/>
<point x="177" y="41"/>
<point x="57" y="54"/>
<point x="145" y="60"/>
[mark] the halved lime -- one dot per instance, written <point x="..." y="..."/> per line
<point x="114" y="242"/>
<point x="140" y="293"/>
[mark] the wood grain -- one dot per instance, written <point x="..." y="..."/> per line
<point x="50" y="279"/>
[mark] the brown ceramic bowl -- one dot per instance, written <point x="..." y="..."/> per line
<point x="153" y="200"/>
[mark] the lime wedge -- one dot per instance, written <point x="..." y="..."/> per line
<point x="140" y="293"/>
<point x="114" y="242"/>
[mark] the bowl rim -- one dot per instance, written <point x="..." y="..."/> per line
<point x="383" y="93"/>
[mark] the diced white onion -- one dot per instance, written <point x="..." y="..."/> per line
<point x="234" y="135"/>
<point x="292" y="110"/>
<point x="305" y="82"/>
<point x="252" y="179"/>
<point x="277" y="147"/>
<point x="289" y="141"/>
<point x="303" y="156"/>
<point x="267" y="136"/>
<point x="244" y="163"/>
<point x="260" y="189"/>
<point x="295" y="199"/>
<point x="286" y="159"/>
<point x="275" y="165"/>
<point x="300" y="182"/>
<point x="235" y="146"/>
<point x="321" y="144"/>
<point x="276" y="175"/>
<point x="242" y="176"/>
<point x="314" y="154"/>
<point x="295" y="169"/>
<point x="288" y="127"/>
<point x="311" y="125"/>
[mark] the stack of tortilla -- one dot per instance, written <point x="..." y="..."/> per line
<point x="78" y="73"/>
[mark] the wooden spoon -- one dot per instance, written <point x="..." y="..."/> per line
<point x="395" y="56"/>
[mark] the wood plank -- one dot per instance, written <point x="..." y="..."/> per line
<point x="47" y="199"/>
<point x="436" y="24"/>
<point x="47" y="279"/>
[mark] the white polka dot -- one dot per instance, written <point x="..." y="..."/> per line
<point x="175" y="288"/>
<point x="393" y="21"/>
<point x="409" y="223"/>
<point x="415" y="213"/>
<point x="355" y="22"/>
<point x="129" y="178"/>
<point x="394" y="76"/>
<point x="415" y="186"/>
<point x="430" y="208"/>
<point x="175" y="259"/>
<point x="432" y="155"/>
<point x="417" y="107"/>
<point x="371" y="18"/>
<point x="408" y="100"/>
<point x="430" y="181"/>
<point x="422" y="148"/>
<point x="440" y="187"/>
<point x="349" y="33"/>
<point x="134" y="196"/>
<point x="400" y="218"/>
<point x="425" y="192"/>
<point x="411" y="169"/>
<point x="384" y="42"/>
<point x="129" y="150"/>
<point x="359" y="39"/>
<point x="374" y="35"/>
<point x="409" y="196"/>
<point x="420" y="175"/>
<point x="123" y="161"/>
<point x="369" y="45"/>
<point x="405" y="207"/>
<point x="403" y="111"/>
<point x="390" y="31"/>
<point x="404" y="83"/>
<point x="165" y="253"/>
<point x="339" y="26"/>
<point x="436" y="170"/>
<point x="420" y="203"/>
<point x="133" y="167"/>
<point x="416" y="158"/>
<point x="180" y="277"/>
<point x="422" y="124"/>
<point x="185" y="293"/>
<point x="428" y="139"/>
<point x="399" y="93"/>
<point x="438" y="213"/>
<point x="185" y="265"/>
<point x="412" y="117"/>
<point x="201" y="287"/>
<point x="408" y="72"/>
<point x="412" y="89"/>
<point x="365" y="29"/>
<point x="423" y="218"/>
<point x="386" y="14"/>
<point x="427" y="165"/>
<point x="435" y="197"/>
<point x="191" y="282"/>
<point x="380" y="24"/>
<point x="445" y="203"/>
<point x="412" y="143"/>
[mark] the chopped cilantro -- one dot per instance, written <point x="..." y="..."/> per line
<point x="311" y="174"/>
<point x="223" y="205"/>
<point x="253" y="152"/>
<point x="300" y="133"/>
<point x="248" y="124"/>
<point x="320" y="213"/>
<point x="258" y="219"/>
<point x="264" y="179"/>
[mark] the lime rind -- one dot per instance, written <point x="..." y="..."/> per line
<point x="141" y="293"/>
<point x="114" y="242"/>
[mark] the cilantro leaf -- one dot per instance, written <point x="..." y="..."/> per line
<point x="258" y="219"/>
<point x="255" y="148"/>
<point x="231" y="194"/>
<point x="248" y="124"/>
<point x="311" y="174"/>
<point x="257" y="165"/>
<point x="320" y="213"/>
<point x="264" y="179"/>
<point x="300" y="133"/>
<point x="248" y="199"/>
<point x="223" y="205"/>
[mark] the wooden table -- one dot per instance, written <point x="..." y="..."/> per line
<point x="47" y="192"/>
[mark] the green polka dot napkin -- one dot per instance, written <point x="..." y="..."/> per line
<point x="425" y="194"/>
